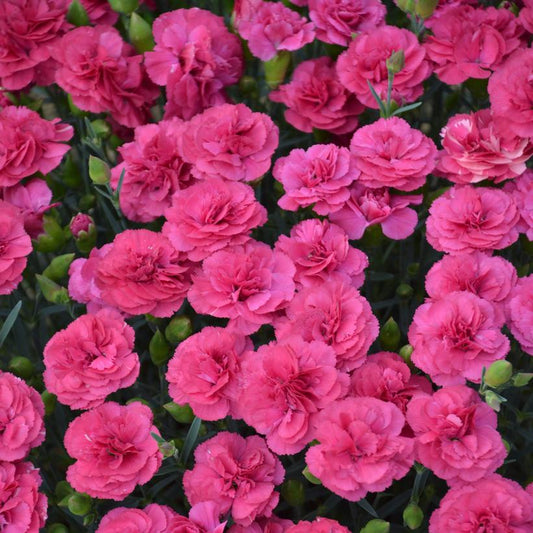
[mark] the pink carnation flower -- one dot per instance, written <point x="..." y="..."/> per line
<point x="469" y="42"/>
<point x="319" y="176"/>
<point x="474" y="150"/>
<point x="284" y="385"/>
<point x="15" y="246"/>
<point x="29" y="144"/>
<point x="321" y="252"/>
<point x="456" y="435"/>
<point x="247" y="284"/>
<point x="319" y="525"/>
<point x="114" y="450"/>
<point x="336" y="314"/>
<point x="238" y="474"/>
<point x="102" y="73"/>
<point x="211" y="215"/>
<point x="360" y="449"/>
<point x="519" y="313"/>
<point x="203" y="518"/>
<point x="152" y="519"/>
<point x="456" y="337"/>
<point x="337" y="20"/>
<point x="21" y="416"/>
<point x="204" y="369"/>
<point x="511" y="95"/>
<point x="521" y="191"/>
<point x="493" y="503"/>
<point x="100" y="12"/>
<point x="270" y="27"/>
<point x="465" y="219"/>
<point x="22" y="507"/>
<point x="90" y="359"/>
<point x="153" y="171"/>
<point x="28" y="31"/>
<point x="367" y="207"/>
<point x="315" y="98"/>
<point x="143" y="273"/>
<point x="273" y="524"/>
<point x="365" y="61"/>
<point x="231" y="142"/>
<point x="195" y="57"/>
<point x="389" y="153"/>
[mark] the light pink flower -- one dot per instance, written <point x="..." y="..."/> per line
<point x="141" y="272"/>
<point x="270" y="27"/>
<point x="114" y="450"/>
<point x="336" y="314"/>
<point x="465" y="219"/>
<point x="29" y="144"/>
<point x="21" y="419"/>
<point x="337" y="20"/>
<point x="493" y="503"/>
<point x="519" y="313"/>
<point x="456" y="337"/>
<point x="204" y="369"/>
<point x="521" y="191"/>
<point x="360" y="449"/>
<point x="246" y="283"/>
<point x="152" y="519"/>
<point x="365" y="61"/>
<point x="22" y="507"/>
<point x="153" y="171"/>
<point x="321" y="252"/>
<point x="238" y="474"/>
<point x="211" y="215"/>
<point x="315" y="98"/>
<point x="389" y="153"/>
<point x="367" y="207"/>
<point x="284" y="385"/>
<point x="231" y="142"/>
<point x="474" y="150"/>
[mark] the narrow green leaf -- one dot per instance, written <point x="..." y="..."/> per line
<point x="406" y="108"/>
<point x="377" y="98"/>
<point x="367" y="507"/>
<point x="190" y="439"/>
<point x="9" y="321"/>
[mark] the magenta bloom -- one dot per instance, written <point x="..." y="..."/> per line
<point x="153" y="171"/>
<point x="203" y="518"/>
<point x="230" y="142"/>
<point x="456" y="435"/>
<point x="211" y="215"/>
<point x="246" y="284"/>
<point x="204" y="369"/>
<point x="315" y="98"/>
<point x="90" y="359"/>
<point x="102" y="73"/>
<point x="272" y="524"/>
<point x="284" y="385"/>
<point x="521" y="191"/>
<point x="29" y="144"/>
<point x="336" y="314"/>
<point x="143" y="273"/>
<point x="321" y="252"/>
<point x="100" y="12"/>
<point x="319" y="176"/>
<point x="21" y="416"/>
<point x="519" y="313"/>
<point x="474" y="150"/>
<point x="15" y="246"/>
<point x="152" y="519"/>
<point x="367" y="207"/>
<point x="236" y="473"/>
<point x="365" y="61"/>
<point x="114" y="450"/>
<point x="456" y="337"/>
<point x="493" y="503"/>
<point x="337" y="20"/>
<point x="319" y="525"/>
<point x="465" y="219"/>
<point x="22" y="507"/>
<point x="270" y="27"/>
<point x="195" y="57"/>
<point x="389" y="153"/>
<point x="360" y="449"/>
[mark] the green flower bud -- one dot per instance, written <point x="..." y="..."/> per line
<point x="413" y="269"/>
<point x="57" y="528"/>
<point x="70" y="174"/>
<point x="276" y="68"/>
<point x="49" y="401"/>
<point x="522" y="379"/>
<point x="140" y="33"/>
<point x="293" y="492"/>
<point x="390" y="335"/>
<point x="52" y="292"/>
<point x="52" y="238"/>
<point x="21" y="367"/>
<point x="79" y="504"/>
<point x="77" y="15"/>
<point x="178" y="329"/>
<point x="101" y="128"/>
<point x="86" y="202"/>
<point x="248" y="85"/>
<point x="159" y="349"/>
<point x="376" y="526"/>
<point x="498" y="373"/>
<point x="99" y="170"/>
<point x="413" y="516"/>
<point x="58" y="267"/>
<point x="404" y="290"/>
<point x="425" y="8"/>
<point x="124" y="6"/>
<point x="493" y="400"/>
<point x="180" y="413"/>
<point x="396" y="62"/>
<point x="405" y="353"/>
<point x="140" y="400"/>
<point x="312" y="479"/>
<point x="63" y="489"/>
<point x="407" y="6"/>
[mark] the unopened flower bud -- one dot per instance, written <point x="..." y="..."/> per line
<point x="396" y="62"/>
<point x="390" y="335"/>
<point x="21" y="366"/>
<point x="376" y="526"/>
<point x="413" y="516"/>
<point x="124" y="6"/>
<point x="425" y="8"/>
<point x="178" y="329"/>
<point x="498" y="373"/>
<point x="312" y="479"/>
<point x="52" y="292"/>
<point x="405" y="353"/>
<point x="404" y="290"/>
<point x="180" y="413"/>
<point x="79" y="504"/>
<point x="99" y="170"/>
<point x="140" y="33"/>
<point x="159" y="349"/>
<point x="83" y="230"/>
<point x="52" y="238"/>
<point x="77" y="15"/>
<point x="58" y="267"/>
<point x="522" y="379"/>
<point x="293" y="492"/>
<point x="407" y="6"/>
<point x="276" y="68"/>
<point x="49" y="401"/>
<point x="57" y="528"/>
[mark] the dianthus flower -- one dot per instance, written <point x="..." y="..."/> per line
<point x="521" y="191"/>
<point x="519" y="313"/>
